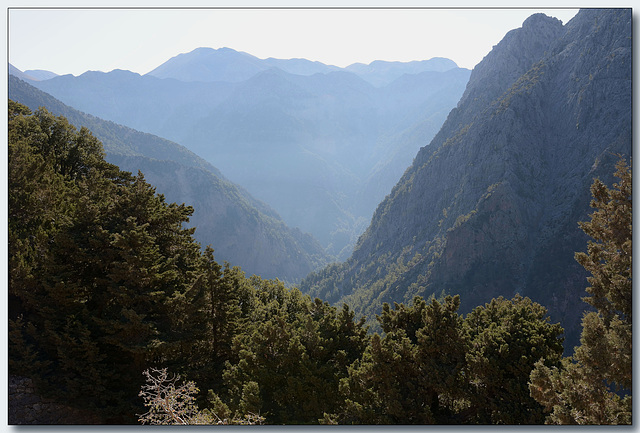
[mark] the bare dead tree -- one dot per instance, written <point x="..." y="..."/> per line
<point x="171" y="402"/>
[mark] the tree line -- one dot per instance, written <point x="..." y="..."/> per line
<point x="110" y="296"/>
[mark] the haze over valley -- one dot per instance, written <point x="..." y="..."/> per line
<point x="319" y="144"/>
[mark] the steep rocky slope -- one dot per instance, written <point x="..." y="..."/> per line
<point x="490" y="207"/>
<point x="243" y="230"/>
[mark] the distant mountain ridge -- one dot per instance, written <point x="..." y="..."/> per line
<point x="381" y="72"/>
<point x="491" y="206"/>
<point x="225" y="64"/>
<point x="18" y="73"/>
<point x="322" y="149"/>
<point x="241" y="229"/>
<point x="33" y="74"/>
<point x="40" y="74"/>
<point x="205" y="64"/>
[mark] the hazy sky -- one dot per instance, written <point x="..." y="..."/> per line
<point x="76" y="40"/>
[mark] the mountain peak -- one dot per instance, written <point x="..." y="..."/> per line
<point x="209" y="64"/>
<point x="514" y="55"/>
<point x="207" y="51"/>
<point x="540" y="19"/>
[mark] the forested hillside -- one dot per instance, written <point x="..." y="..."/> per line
<point x="245" y="231"/>
<point x="490" y="207"/>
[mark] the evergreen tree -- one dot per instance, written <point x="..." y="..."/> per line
<point x="415" y="373"/>
<point x="507" y="338"/>
<point x="209" y="320"/>
<point x="291" y="356"/>
<point x="594" y="385"/>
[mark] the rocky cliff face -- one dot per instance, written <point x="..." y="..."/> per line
<point x="490" y="207"/>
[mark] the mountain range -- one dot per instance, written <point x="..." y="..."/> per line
<point x="322" y="145"/>
<point x="491" y="206"/>
<point x="225" y="64"/>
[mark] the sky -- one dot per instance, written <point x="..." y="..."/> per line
<point x="75" y="40"/>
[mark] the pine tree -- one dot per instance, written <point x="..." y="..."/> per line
<point x="507" y="338"/>
<point x="291" y="355"/>
<point x="208" y="317"/>
<point x="415" y="373"/>
<point x="594" y="385"/>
